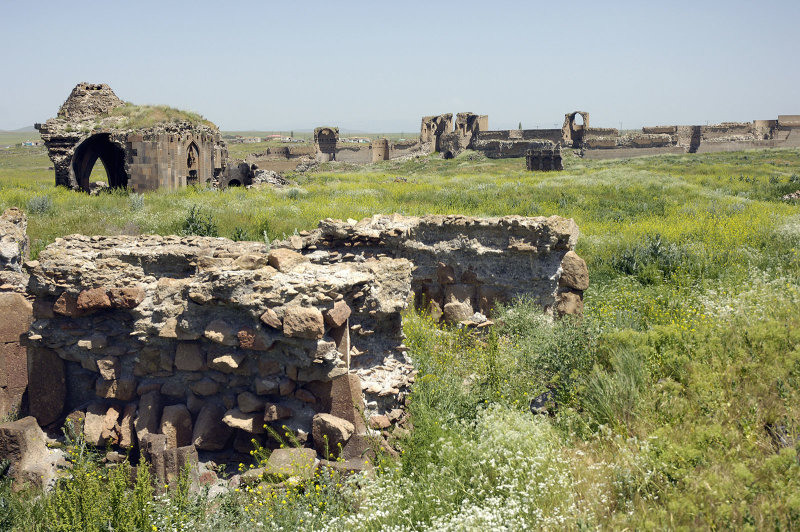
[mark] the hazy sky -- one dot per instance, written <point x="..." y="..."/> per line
<point x="380" y="66"/>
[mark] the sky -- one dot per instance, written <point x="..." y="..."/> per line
<point x="380" y="66"/>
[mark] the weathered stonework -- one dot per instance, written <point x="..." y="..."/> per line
<point x="544" y="156"/>
<point x="16" y="309"/>
<point x="167" y="155"/>
<point x="471" y="261"/>
<point x="178" y="344"/>
<point x="325" y="139"/>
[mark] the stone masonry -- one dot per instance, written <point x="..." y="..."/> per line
<point x="166" y="155"/>
<point x="173" y="345"/>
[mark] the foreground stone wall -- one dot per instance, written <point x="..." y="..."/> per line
<point x="174" y="345"/>
<point x="16" y="310"/>
<point x="205" y="340"/>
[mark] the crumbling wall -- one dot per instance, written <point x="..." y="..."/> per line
<point x="432" y="128"/>
<point x="205" y="340"/>
<point x="166" y="155"/>
<point x="463" y="264"/>
<point x="544" y="156"/>
<point x="174" y="344"/>
<point x="16" y="310"/>
<point x="380" y="150"/>
<point x="325" y="140"/>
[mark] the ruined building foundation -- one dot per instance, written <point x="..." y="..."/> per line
<point x="179" y="344"/>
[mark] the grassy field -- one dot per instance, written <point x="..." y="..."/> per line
<point x="678" y="392"/>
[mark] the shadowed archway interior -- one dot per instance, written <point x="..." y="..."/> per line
<point x="111" y="156"/>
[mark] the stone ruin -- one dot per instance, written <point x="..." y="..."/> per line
<point x="544" y="156"/>
<point x="325" y="139"/>
<point x="174" y="345"/>
<point x="167" y="155"/>
<point x="174" y="154"/>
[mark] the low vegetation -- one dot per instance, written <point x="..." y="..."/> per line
<point x="142" y="116"/>
<point x="677" y="394"/>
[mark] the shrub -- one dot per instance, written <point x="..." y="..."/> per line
<point x="136" y="201"/>
<point x="40" y="205"/>
<point x="198" y="223"/>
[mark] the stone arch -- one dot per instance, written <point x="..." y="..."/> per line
<point x="447" y="155"/>
<point x="575" y="125"/>
<point x="111" y="155"/>
<point x="234" y="183"/>
<point x="192" y="163"/>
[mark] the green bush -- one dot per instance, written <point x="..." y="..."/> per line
<point x="198" y="223"/>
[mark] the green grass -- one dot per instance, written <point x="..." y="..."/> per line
<point x="143" y="116"/>
<point x="669" y="390"/>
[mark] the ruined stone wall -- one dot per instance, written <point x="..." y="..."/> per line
<point x="325" y="141"/>
<point x="205" y="340"/>
<point x="17" y="312"/>
<point x="161" y="160"/>
<point x="544" y="156"/>
<point x="167" y="155"/>
<point x="464" y="264"/>
<point x="380" y="150"/>
<point x="173" y="345"/>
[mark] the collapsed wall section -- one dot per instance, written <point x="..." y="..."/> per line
<point x="205" y="340"/>
<point x="463" y="264"/>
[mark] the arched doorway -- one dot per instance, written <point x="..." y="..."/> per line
<point x="192" y="163"/>
<point x="111" y="155"/>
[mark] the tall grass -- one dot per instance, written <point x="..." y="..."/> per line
<point x="669" y="391"/>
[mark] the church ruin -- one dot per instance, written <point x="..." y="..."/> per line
<point x="161" y="153"/>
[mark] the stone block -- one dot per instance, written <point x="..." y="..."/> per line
<point x="126" y="298"/>
<point x="13" y="366"/>
<point x="569" y="303"/>
<point x="210" y="433"/>
<point x="284" y="260"/>
<point x="574" y="273"/>
<point x="294" y="462"/>
<point x="252" y="422"/>
<point x="127" y="430"/>
<point x="46" y="385"/>
<point x="93" y="300"/>
<point x="176" y="425"/>
<point x="254" y="340"/>
<point x="330" y="434"/>
<point x="123" y="389"/>
<point x="221" y="332"/>
<point x="148" y="415"/>
<point x="22" y="443"/>
<point x="274" y="412"/>
<point x="226" y="363"/>
<point x="456" y="312"/>
<point x="109" y="368"/>
<point x="249" y="402"/>
<point x="303" y="322"/>
<point x="337" y="316"/>
<point x="346" y="400"/>
<point x="98" y="425"/>
<point x="270" y="317"/>
<point x="67" y="305"/>
<point x="188" y="357"/>
<point x="17" y="315"/>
